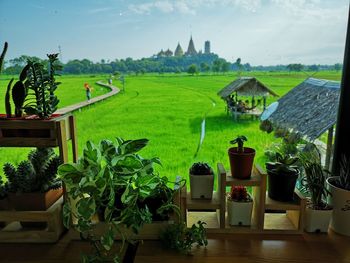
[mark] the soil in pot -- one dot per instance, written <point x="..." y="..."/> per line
<point x="241" y="163"/>
<point x="281" y="186"/>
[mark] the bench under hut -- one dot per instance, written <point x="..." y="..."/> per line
<point x="310" y="109"/>
<point x="245" y="87"/>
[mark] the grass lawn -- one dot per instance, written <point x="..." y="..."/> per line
<point x="168" y="110"/>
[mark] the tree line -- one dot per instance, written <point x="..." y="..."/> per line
<point x="189" y="64"/>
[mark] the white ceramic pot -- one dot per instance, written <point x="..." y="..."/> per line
<point x="239" y="213"/>
<point x="317" y="220"/>
<point x="201" y="186"/>
<point x="340" y="200"/>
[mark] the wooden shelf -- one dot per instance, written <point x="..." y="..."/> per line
<point x="255" y="180"/>
<point x="271" y="204"/>
<point x="203" y="204"/>
<point x="14" y="233"/>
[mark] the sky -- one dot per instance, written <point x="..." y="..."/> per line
<point x="260" y="32"/>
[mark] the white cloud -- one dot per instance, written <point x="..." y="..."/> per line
<point x="191" y="6"/>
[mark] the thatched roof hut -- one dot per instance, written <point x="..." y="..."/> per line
<point x="246" y="86"/>
<point x="310" y="108"/>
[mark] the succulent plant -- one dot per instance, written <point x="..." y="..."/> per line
<point x="240" y="142"/>
<point x="239" y="194"/>
<point x="2" y="56"/>
<point x="285" y="165"/>
<point x="344" y="174"/>
<point x="41" y="81"/>
<point x="201" y="169"/>
<point x="37" y="174"/>
<point x="3" y="189"/>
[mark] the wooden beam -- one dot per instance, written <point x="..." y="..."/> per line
<point x="342" y="138"/>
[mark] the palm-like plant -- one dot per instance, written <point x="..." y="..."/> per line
<point x="240" y="142"/>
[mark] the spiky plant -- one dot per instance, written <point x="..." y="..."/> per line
<point x="3" y="189"/>
<point x="344" y="174"/>
<point x="42" y="84"/>
<point x="37" y="174"/>
<point x="239" y="194"/>
<point x="201" y="169"/>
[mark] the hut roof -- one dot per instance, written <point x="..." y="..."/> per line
<point x="310" y="108"/>
<point x="246" y="86"/>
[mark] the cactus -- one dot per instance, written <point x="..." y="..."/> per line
<point x="201" y="169"/>
<point x="42" y="82"/>
<point x="2" y="57"/>
<point x="38" y="173"/>
<point x="18" y="97"/>
<point x="239" y="194"/>
<point x="7" y="99"/>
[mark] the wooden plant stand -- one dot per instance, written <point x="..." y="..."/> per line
<point x="14" y="233"/>
<point x="54" y="132"/>
<point x="268" y="216"/>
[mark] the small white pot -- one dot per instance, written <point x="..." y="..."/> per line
<point x="239" y="213"/>
<point x="340" y="200"/>
<point x="317" y="220"/>
<point x="201" y="186"/>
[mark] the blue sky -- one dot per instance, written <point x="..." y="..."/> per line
<point x="261" y="32"/>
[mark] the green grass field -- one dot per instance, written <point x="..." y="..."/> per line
<point x="168" y="110"/>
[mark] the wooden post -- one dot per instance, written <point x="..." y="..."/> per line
<point x="329" y="148"/>
<point x="72" y="128"/>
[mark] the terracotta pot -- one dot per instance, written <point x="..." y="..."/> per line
<point x="34" y="201"/>
<point x="281" y="186"/>
<point x="317" y="220"/>
<point x="201" y="186"/>
<point x="241" y="163"/>
<point x="239" y="213"/>
<point x="340" y="200"/>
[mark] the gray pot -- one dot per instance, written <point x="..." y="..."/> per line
<point x="340" y="200"/>
<point x="202" y="186"/>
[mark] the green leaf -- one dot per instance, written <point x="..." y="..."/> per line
<point x="107" y="239"/>
<point x="133" y="146"/>
<point x="86" y="208"/>
<point x="67" y="215"/>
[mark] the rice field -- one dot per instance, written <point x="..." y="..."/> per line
<point x="168" y="110"/>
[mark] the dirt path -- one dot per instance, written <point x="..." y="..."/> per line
<point x="80" y="105"/>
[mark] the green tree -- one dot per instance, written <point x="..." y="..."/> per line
<point x="192" y="69"/>
<point x="204" y="67"/>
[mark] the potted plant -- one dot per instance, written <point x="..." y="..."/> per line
<point x="181" y="238"/>
<point x="313" y="184"/>
<point x="201" y="181"/>
<point x="4" y="204"/>
<point x="112" y="179"/>
<point x="33" y="185"/>
<point x="282" y="177"/>
<point x="241" y="158"/>
<point x="339" y="187"/>
<point x="239" y="206"/>
<point x="34" y="92"/>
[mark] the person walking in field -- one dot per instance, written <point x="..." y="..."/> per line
<point x="88" y="90"/>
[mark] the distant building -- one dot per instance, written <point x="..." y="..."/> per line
<point x="207" y="47"/>
<point x="191" y="51"/>
<point x="178" y="51"/>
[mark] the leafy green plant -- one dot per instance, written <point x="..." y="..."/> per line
<point x="239" y="194"/>
<point x="201" y="169"/>
<point x="240" y="142"/>
<point x="41" y="85"/>
<point x="37" y="174"/>
<point x="182" y="239"/>
<point x="314" y="179"/>
<point x="344" y="174"/>
<point x="114" y="180"/>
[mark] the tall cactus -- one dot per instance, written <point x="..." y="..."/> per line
<point x="7" y="96"/>
<point x="19" y="92"/>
